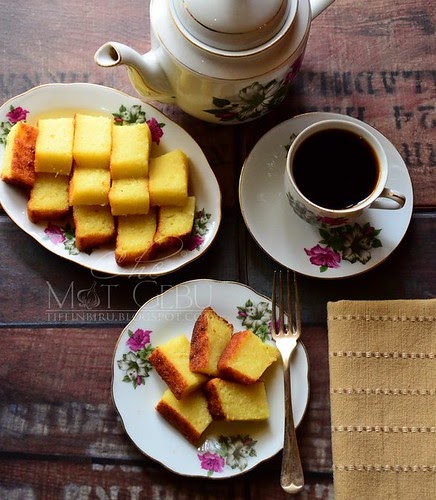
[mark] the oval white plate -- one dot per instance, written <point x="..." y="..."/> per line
<point x="228" y="449"/>
<point x="65" y="100"/>
<point x="293" y="242"/>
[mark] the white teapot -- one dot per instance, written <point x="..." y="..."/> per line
<point x="223" y="61"/>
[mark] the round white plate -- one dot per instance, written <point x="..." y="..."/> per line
<point x="65" y="100"/>
<point x="298" y="245"/>
<point x="229" y="448"/>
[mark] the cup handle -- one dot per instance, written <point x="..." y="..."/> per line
<point x="395" y="196"/>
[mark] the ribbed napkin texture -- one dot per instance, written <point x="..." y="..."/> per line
<point x="383" y="398"/>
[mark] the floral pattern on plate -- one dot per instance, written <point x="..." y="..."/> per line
<point x="227" y="448"/>
<point x="352" y="243"/>
<point x="135" y="363"/>
<point x="14" y="116"/>
<point x="227" y="451"/>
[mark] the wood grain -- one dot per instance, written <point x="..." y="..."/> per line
<point x="63" y="404"/>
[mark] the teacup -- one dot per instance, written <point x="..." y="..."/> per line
<point x="336" y="169"/>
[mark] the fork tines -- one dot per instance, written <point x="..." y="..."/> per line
<point x="292" y="303"/>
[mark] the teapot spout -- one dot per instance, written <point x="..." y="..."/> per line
<point x="145" y="72"/>
<point x="319" y="6"/>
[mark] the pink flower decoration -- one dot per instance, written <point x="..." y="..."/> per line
<point x="17" y="114"/>
<point x="156" y="130"/>
<point x="331" y="221"/>
<point x="294" y="69"/>
<point x="55" y="234"/>
<point x="139" y="339"/>
<point x="227" y="115"/>
<point x="211" y="462"/>
<point x="323" y="257"/>
<point x="194" y="242"/>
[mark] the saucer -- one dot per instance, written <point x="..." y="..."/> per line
<point x="293" y="243"/>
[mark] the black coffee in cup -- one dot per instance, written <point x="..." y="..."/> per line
<point x="335" y="168"/>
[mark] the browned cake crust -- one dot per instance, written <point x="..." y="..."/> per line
<point x="129" y="259"/>
<point x="39" y="215"/>
<point x="91" y="240"/>
<point x="199" y="354"/>
<point x="224" y="364"/>
<point x="168" y="372"/>
<point x="213" y="400"/>
<point x="48" y="198"/>
<point x="21" y="170"/>
<point x="174" y="228"/>
<point x="136" y="244"/>
<point x="179" y="422"/>
<point x="201" y="343"/>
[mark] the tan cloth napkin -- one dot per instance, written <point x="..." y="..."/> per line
<point x="383" y="399"/>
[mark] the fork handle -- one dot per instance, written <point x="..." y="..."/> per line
<point x="291" y="477"/>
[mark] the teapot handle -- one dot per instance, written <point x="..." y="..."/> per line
<point x="318" y="6"/>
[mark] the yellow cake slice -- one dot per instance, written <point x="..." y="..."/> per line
<point x="246" y="357"/>
<point x="189" y="415"/>
<point x="54" y="146"/>
<point x="92" y="141"/>
<point x="168" y="176"/>
<point x="131" y="146"/>
<point x="94" y="226"/>
<point x="171" y="362"/>
<point x="210" y="335"/>
<point x="89" y="186"/>
<point x="129" y="196"/>
<point x="134" y="241"/>
<point x="174" y="224"/>
<point x="231" y="401"/>
<point x="18" y="166"/>
<point x="48" y="197"/>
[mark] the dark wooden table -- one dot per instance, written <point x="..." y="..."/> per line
<point x="60" y="436"/>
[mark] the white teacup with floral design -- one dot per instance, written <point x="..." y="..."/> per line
<point x="335" y="169"/>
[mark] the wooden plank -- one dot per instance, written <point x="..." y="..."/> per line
<point x="51" y="478"/>
<point x="388" y="82"/>
<point x="61" y="292"/>
<point x="52" y="294"/>
<point x="376" y="63"/>
<point x="407" y="272"/>
<point x="56" y="396"/>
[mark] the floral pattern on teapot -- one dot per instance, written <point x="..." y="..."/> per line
<point x="255" y="99"/>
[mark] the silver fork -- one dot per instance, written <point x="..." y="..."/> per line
<point x="291" y="477"/>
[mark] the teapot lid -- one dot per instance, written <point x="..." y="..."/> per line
<point x="232" y="25"/>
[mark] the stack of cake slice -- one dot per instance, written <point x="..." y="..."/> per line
<point x="104" y="174"/>
<point x="90" y="181"/>
<point x="53" y="163"/>
<point x="212" y="377"/>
